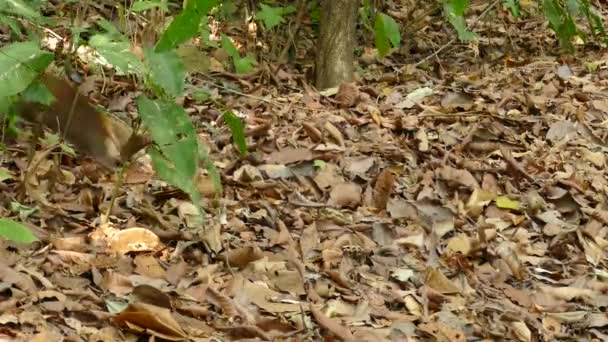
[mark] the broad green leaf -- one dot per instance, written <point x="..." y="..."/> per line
<point x="175" y="155"/>
<point x="459" y="6"/>
<point x="459" y="23"/>
<point x="244" y="65"/>
<point x="272" y="16"/>
<point x="167" y="71"/>
<point x="118" y="54"/>
<point x="140" y="6"/>
<point x="12" y="23"/>
<point x="552" y="12"/>
<point x="112" y="32"/>
<point x="238" y="131"/>
<point x="19" y="8"/>
<point x="20" y="64"/>
<point x="38" y="93"/>
<point x="15" y="231"/>
<point x="229" y="47"/>
<point x="387" y="34"/>
<point x="194" y="59"/>
<point x="186" y="25"/>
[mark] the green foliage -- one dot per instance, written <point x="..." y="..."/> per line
<point x="454" y="11"/>
<point x="20" y="63"/>
<point x="242" y="65"/>
<point x="117" y="53"/>
<point x="175" y="153"/>
<point x="513" y="6"/>
<point x="271" y="17"/>
<point x="560" y="21"/>
<point x="387" y="34"/>
<point x="167" y="71"/>
<point x="366" y="14"/>
<point x="143" y="5"/>
<point x="38" y="93"/>
<point x="315" y="12"/>
<point x="238" y="131"/>
<point x="15" y="231"/>
<point x="186" y="25"/>
<point x="19" y="8"/>
<point x="594" y="19"/>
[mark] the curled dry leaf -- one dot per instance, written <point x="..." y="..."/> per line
<point x="332" y="325"/>
<point x="134" y="240"/>
<point x="383" y="188"/>
<point x="225" y="303"/>
<point x="521" y="331"/>
<point x="313" y="133"/>
<point x="345" y="195"/>
<point x="151" y="295"/>
<point x="289" y="155"/>
<point x="334" y="133"/>
<point x="347" y="95"/>
<point x="459" y="176"/>
<point x="241" y="257"/>
<point x="436" y="280"/>
<point x="151" y="319"/>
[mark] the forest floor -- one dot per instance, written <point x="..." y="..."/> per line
<point x="462" y="199"/>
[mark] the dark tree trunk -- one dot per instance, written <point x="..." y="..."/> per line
<point x="336" y="44"/>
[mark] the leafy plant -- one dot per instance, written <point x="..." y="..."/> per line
<point x="242" y="65"/>
<point x="15" y="231"/>
<point x="513" y="6"/>
<point x="238" y="131"/>
<point x="271" y="17"/>
<point x="387" y="33"/>
<point x="454" y="11"/>
<point x="176" y="152"/>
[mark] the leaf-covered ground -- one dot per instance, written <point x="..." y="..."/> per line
<point x="462" y="199"/>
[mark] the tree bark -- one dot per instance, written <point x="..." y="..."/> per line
<point x="336" y="43"/>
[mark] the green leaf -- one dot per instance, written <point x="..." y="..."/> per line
<point x="20" y="64"/>
<point x="140" y="6"/>
<point x="553" y="13"/>
<point x="459" y="7"/>
<point x="186" y="25"/>
<point x="175" y="155"/>
<point x="112" y="32"/>
<point x="272" y="16"/>
<point x="238" y="131"/>
<point x="513" y="6"/>
<point x="387" y="34"/>
<point x="5" y="174"/>
<point x="12" y="23"/>
<point x="244" y="65"/>
<point x="19" y="8"/>
<point x="117" y="54"/>
<point x="15" y="231"/>
<point x="38" y="93"/>
<point x="229" y="47"/>
<point x="167" y="71"/>
<point x="455" y="17"/>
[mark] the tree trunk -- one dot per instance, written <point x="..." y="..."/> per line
<point x="336" y="44"/>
